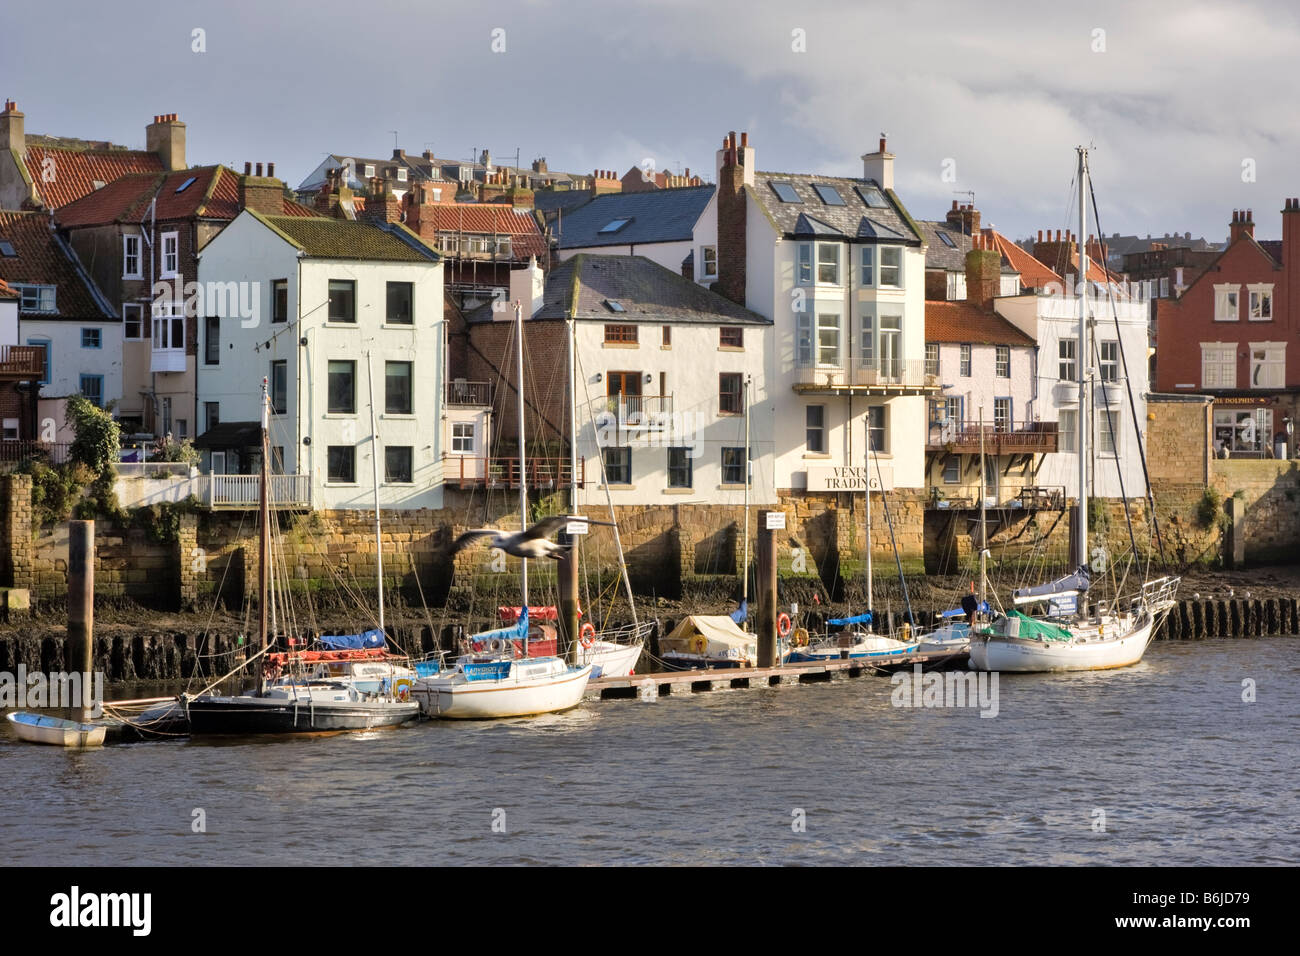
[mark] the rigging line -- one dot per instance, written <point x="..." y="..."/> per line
<point x="1142" y="455"/>
<point x="1108" y="416"/>
<point x="212" y="612"/>
<point x="890" y="522"/>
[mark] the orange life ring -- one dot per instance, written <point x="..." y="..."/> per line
<point x="587" y="636"/>
<point x="783" y="624"/>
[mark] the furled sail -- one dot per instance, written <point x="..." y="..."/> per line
<point x="1070" y="584"/>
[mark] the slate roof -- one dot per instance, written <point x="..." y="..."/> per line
<point x="580" y="288"/>
<point x="212" y="193"/>
<point x="44" y="260"/>
<point x="938" y="254"/>
<point x="661" y="215"/>
<point x="961" y="322"/>
<point x="548" y="201"/>
<point x="855" y="219"/>
<point x="323" y="238"/>
<point x="75" y="171"/>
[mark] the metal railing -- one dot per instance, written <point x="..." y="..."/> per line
<point x="884" y="373"/>
<point x="11" y="452"/>
<point x="998" y="439"/>
<point x="470" y="470"/>
<point x="461" y="392"/>
<point x="243" y="492"/>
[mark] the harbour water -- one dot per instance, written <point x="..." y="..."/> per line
<point x="1163" y="763"/>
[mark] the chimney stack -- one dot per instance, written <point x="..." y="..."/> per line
<point x="260" y="193"/>
<point x="966" y="218"/>
<point x="166" y="137"/>
<point x="879" y="166"/>
<point x="735" y="171"/>
<point x="1056" y="253"/>
<point x="12" y="130"/>
<point x="983" y="273"/>
<point x="1243" y="224"/>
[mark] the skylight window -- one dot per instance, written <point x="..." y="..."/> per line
<point x="186" y="185"/>
<point x="785" y="192"/>
<point x="7" y="249"/>
<point x="947" y="240"/>
<point x="829" y="195"/>
<point x="614" y="305"/>
<point x="615" y="225"/>
<point x="872" y="196"/>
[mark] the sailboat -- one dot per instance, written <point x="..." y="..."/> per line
<point x="1107" y="636"/>
<point x="495" y="682"/>
<point x="290" y="696"/>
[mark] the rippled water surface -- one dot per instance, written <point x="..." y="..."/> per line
<point x="1184" y="770"/>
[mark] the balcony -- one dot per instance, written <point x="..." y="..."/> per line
<point x="470" y="471"/>
<point x="243" y="492"/>
<point x="461" y="392"/>
<point x="875" y="377"/>
<point x="1011" y="438"/>
<point x="635" y="412"/>
<point x="22" y="363"/>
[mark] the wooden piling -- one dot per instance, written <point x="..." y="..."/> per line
<point x="81" y="611"/>
<point x="766" y="572"/>
<point x="567" y="580"/>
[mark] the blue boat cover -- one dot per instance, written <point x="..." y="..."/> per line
<point x="863" y="618"/>
<point x="354" y="642"/>
<point x="740" y="613"/>
<point x="958" y="612"/>
<point x="516" y="632"/>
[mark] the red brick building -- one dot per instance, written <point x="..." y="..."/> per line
<point x="1230" y="335"/>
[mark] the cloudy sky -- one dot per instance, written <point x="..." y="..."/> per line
<point x="1190" y="107"/>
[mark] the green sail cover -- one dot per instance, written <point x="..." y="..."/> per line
<point x="1040" y="630"/>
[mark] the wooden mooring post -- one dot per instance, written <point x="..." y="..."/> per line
<point x="567" y="575"/>
<point x="769" y="522"/>
<point x="81" y="611"/>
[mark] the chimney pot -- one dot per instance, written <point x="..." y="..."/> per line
<point x="248" y="169"/>
<point x="259" y="170"/>
<point x="744" y="140"/>
<point x="882" y="144"/>
<point x="270" y="170"/>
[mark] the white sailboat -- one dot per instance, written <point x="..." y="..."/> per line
<point x="1108" y="636"/>
<point x="496" y="683"/>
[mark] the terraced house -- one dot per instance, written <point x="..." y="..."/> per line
<point x="347" y="331"/>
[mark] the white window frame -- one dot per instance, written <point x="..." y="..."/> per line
<point x="370" y="171"/>
<point x="174" y="240"/>
<point x="965" y="360"/>
<point x="1072" y="359"/>
<point x="457" y="440"/>
<point x="867" y="267"/>
<point x="805" y="268"/>
<point x="838" y="264"/>
<point x="165" y="326"/>
<point x="1227" y="302"/>
<point x="1218" y="365"/>
<point x="1002" y="369"/>
<point x="1257" y="294"/>
<point x="1272" y="364"/>
<point x="1067" y="429"/>
<point x="708" y="257"/>
<point x="1108" y="436"/>
<point x="139" y="309"/>
<point x="129" y="240"/>
<point x="898" y="275"/>
<point x="827" y="321"/>
<point x="1103" y="363"/>
<point x="401" y="174"/>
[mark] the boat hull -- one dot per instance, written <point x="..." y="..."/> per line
<point x="454" y="699"/>
<point x="268" y="715"/>
<point x="55" y="731"/>
<point x="1015" y="654"/>
<point x="608" y="659"/>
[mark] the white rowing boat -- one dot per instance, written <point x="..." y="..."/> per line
<point x="55" y="731"/>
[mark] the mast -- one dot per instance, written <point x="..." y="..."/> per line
<point x="866" y="497"/>
<point x="374" y="470"/>
<point x="573" y="416"/>
<point x="523" y="460"/>
<point x="984" y="530"/>
<point x="264" y="538"/>
<point x="744" y="574"/>
<point x="1082" y="423"/>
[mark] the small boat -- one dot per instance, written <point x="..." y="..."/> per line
<point x="950" y="638"/>
<point x="484" y="688"/>
<point x="848" y="645"/>
<point x="55" y="731"/>
<point x="314" y="707"/>
<point x="611" y="653"/>
<point x="706" y="641"/>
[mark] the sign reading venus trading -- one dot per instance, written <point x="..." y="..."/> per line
<point x="849" y="478"/>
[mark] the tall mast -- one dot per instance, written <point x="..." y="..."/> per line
<point x="523" y="460"/>
<point x="264" y="537"/>
<point x="374" y="471"/>
<point x="744" y="573"/>
<point x="1082" y="351"/>
<point x="866" y="497"/>
<point x="573" y="416"/>
<point x="984" y="531"/>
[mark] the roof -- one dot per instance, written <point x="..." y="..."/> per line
<point x="548" y="201"/>
<point x="661" y="215"/>
<point x="582" y="286"/>
<point x="940" y="255"/>
<point x="885" y="221"/>
<point x="44" y="260"/>
<point x="205" y="192"/>
<point x="323" y="238"/>
<point x="489" y="219"/>
<point x="964" y="323"/>
<point x="6" y="292"/>
<point x="75" y="171"/>
<point x="231" y="435"/>
<point x="1033" y="274"/>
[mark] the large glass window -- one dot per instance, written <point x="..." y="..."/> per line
<point x="867" y="259"/>
<point x="891" y="346"/>
<point x="803" y="266"/>
<point x="733" y="466"/>
<point x="401" y="298"/>
<point x="1068" y="427"/>
<point x="828" y="339"/>
<point x="397" y="388"/>
<point x="931" y="358"/>
<point x="891" y="266"/>
<point x="731" y="393"/>
<point x="342" y="387"/>
<point x="618" y="465"/>
<point x="828" y="263"/>
<point x="131" y="257"/>
<point x="343" y="300"/>
<point x="1002" y="414"/>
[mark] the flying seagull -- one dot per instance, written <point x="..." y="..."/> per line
<point x="532" y="543"/>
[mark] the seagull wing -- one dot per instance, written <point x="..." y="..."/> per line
<point x="469" y="537"/>
<point x="545" y="528"/>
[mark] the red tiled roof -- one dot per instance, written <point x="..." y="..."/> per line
<point x="488" y="219"/>
<point x="6" y="292"/>
<point x="213" y="193"/>
<point x="1033" y="274"/>
<point x="41" y="261"/>
<point x="74" y="171"/>
<point x="963" y="322"/>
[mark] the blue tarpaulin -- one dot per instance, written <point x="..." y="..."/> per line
<point x="740" y="613"/>
<point x="864" y="618"/>
<point x="353" y="642"/>
<point x="958" y="612"/>
<point x="517" y="632"/>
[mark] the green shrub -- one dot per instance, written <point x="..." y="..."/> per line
<point x="1210" y="508"/>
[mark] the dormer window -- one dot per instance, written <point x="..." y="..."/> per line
<point x="370" y="171"/>
<point x="36" y="298"/>
<point x="401" y="174"/>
